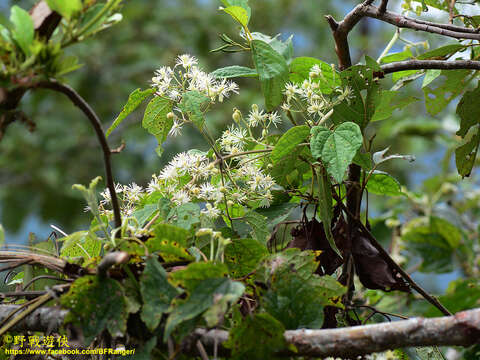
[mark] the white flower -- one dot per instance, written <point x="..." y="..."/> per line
<point x="255" y="116"/>
<point x="267" y="199"/>
<point x="291" y="90"/>
<point x="174" y="95"/>
<point x="176" y="129"/>
<point x="233" y="139"/>
<point x="164" y="74"/>
<point x="316" y="107"/>
<point x="169" y="172"/>
<point x="132" y="192"/>
<point x="106" y="194"/>
<point x="211" y="211"/>
<point x="275" y="119"/>
<point x="285" y="107"/>
<point x="153" y="185"/>
<point x="180" y="197"/>
<point x="224" y="88"/>
<point x="186" y="61"/>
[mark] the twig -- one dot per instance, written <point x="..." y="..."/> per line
<point x="201" y="350"/>
<point x="31" y="308"/>
<point x="456" y="32"/>
<point x="111" y="259"/>
<point x="150" y="223"/>
<point x="78" y="101"/>
<point x="25" y="287"/>
<point x="430" y="64"/>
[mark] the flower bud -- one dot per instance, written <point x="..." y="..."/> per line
<point x="170" y="115"/>
<point x="237" y="115"/>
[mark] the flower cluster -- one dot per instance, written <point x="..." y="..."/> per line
<point x="191" y="177"/>
<point x="173" y="83"/>
<point x="309" y="100"/>
<point x="128" y="196"/>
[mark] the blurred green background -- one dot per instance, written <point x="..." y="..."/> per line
<point x="38" y="169"/>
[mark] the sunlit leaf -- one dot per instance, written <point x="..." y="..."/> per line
<point x="272" y="72"/>
<point x="23" y="30"/>
<point x="134" y="100"/>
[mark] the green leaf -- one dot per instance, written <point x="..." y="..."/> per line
<point x="143" y="214"/>
<point x="157" y="293"/>
<point x="358" y="108"/>
<point x="430" y="75"/>
<point x="442" y="52"/>
<point x="447" y="230"/>
<point x="239" y="14"/>
<point x="326" y="206"/>
<point x="399" y="56"/>
<point x="185" y="215"/>
<point x="319" y="137"/>
<point x="234" y="71"/>
<point x="66" y="64"/>
<point x="80" y="243"/>
<point x="423" y="239"/>
<point x="338" y="148"/>
<point x="170" y="241"/>
<point x="134" y="100"/>
<point x="96" y="304"/>
<point x="243" y="255"/>
<point x="468" y="111"/>
<point x="65" y="8"/>
<point x="259" y="226"/>
<point x="241" y="3"/>
<point x="256" y="337"/>
<point x="284" y="48"/>
<point x="276" y="213"/>
<point x="444" y="89"/>
<point x="201" y="298"/>
<point x="193" y="102"/>
<point x="461" y="294"/>
<point x="155" y="119"/>
<point x="289" y="141"/>
<point x="289" y="171"/>
<point x="364" y="160"/>
<point x="381" y="183"/>
<point x="272" y="71"/>
<point x="217" y="311"/>
<point x="329" y="78"/>
<point x="298" y="303"/>
<point x="190" y="277"/>
<point x="465" y="155"/>
<point x="388" y="103"/>
<point x="292" y="259"/>
<point x="23" y="30"/>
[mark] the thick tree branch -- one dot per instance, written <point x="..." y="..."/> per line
<point x="341" y="29"/>
<point x="430" y="64"/>
<point x="78" y="101"/>
<point x="383" y="6"/>
<point x="401" y="21"/>
<point x="463" y="329"/>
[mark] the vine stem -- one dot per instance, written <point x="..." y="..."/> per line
<point x="78" y="101"/>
